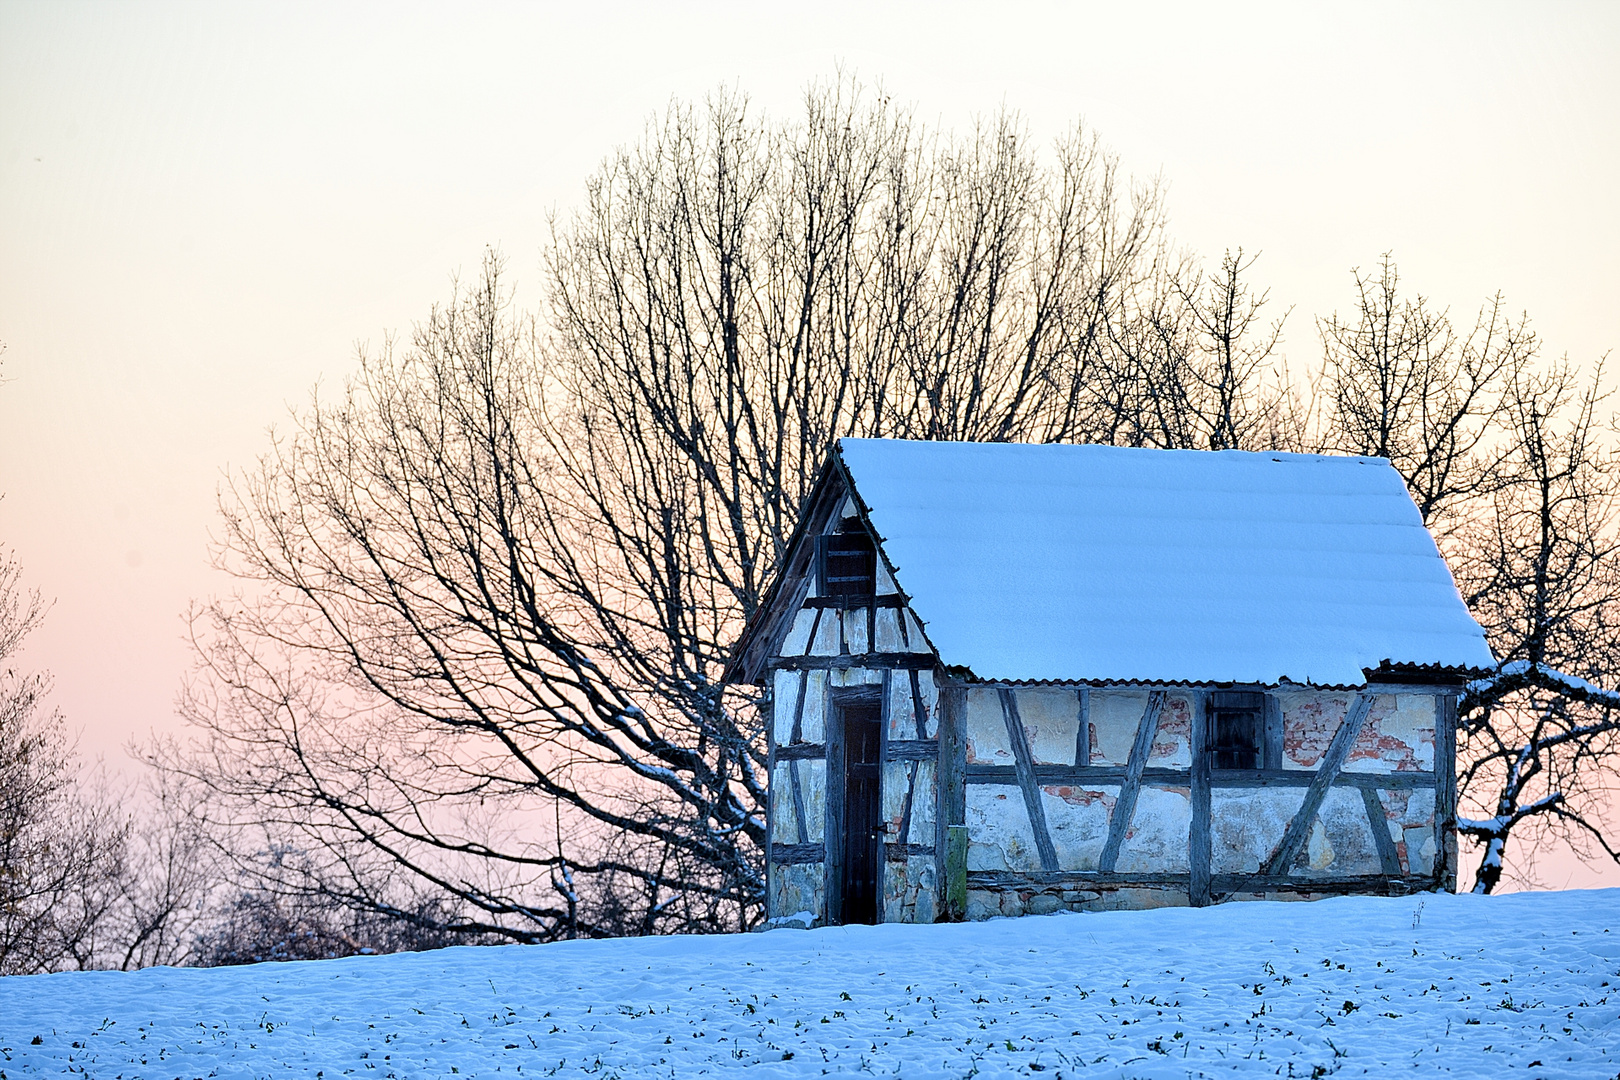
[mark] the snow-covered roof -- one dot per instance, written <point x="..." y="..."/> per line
<point x="1101" y="562"/>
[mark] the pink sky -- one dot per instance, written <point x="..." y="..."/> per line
<point x="203" y="208"/>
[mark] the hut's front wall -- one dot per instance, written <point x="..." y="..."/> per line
<point x="839" y="649"/>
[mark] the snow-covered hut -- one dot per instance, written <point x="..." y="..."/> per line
<point x="1006" y="679"/>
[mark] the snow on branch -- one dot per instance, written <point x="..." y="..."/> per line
<point x="1523" y="674"/>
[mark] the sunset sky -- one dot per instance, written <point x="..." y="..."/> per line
<point x="203" y="207"/>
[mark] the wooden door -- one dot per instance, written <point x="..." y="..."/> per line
<point x="863" y="838"/>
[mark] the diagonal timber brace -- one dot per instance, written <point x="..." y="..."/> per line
<point x="1282" y="856"/>
<point x="1125" y="808"/>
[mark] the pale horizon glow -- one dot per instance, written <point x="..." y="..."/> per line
<point x="203" y="208"/>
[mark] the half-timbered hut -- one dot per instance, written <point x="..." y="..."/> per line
<point x="1005" y="679"/>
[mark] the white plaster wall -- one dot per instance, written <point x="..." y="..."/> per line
<point x="1310" y="717"/>
<point x="929" y="691"/>
<point x="1172" y="740"/>
<point x="798" y="636"/>
<point x="856" y="677"/>
<point x="784" y="694"/>
<point x="1341" y="841"/>
<point x="825" y="642"/>
<point x="1115" y="716"/>
<point x="812" y="788"/>
<point x="1398" y="735"/>
<point x="1410" y="814"/>
<point x="914" y="633"/>
<point x="917" y="778"/>
<point x="813" y="783"/>
<point x="855" y="629"/>
<point x="999" y="833"/>
<point x="1078" y="820"/>
<point x="888" y="631"/>
<point x="901" y="714"/>
<point x="1245" y="825"/>
<point x="987" y="741"/>
<point x="1156" y="842"/>
<point x="1051" y="717"/>
<point x="814" y="722"/>
<point x="784" y="821"/>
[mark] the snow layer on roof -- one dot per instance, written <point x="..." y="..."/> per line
<point x="1101" y="562"/>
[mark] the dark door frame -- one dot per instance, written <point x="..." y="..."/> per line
<point x="838" y="823"/>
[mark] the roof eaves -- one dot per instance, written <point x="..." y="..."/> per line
<point x="1437" y="674"/>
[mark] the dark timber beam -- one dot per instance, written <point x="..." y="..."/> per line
<point x="1220" y="884"/>
<point x="911" y="750"/>
<point x="794" y="782"/>
<point x="1388" y="857"/>
<point x="950" y="812"/>
<point x="1125" y="807"/>
<point x="1359" y="884"/>
<point x="846" y="603"/>
<point x="783" y="854"/>
<point x="1198" y="836"/>
<point x="905" y="809"/>
<point x="902" y="852"/>
<point x="1079" y="879"/>
<point x="875" y="660"/>
<point x="919" y="711"/>
<point x="1082" y="738"/>
<point x="1107" y="775"/>
<point x="1445" y="792"/>
<point x="1026" y="779"/>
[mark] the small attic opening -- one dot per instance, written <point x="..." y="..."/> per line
<point x="848" y="562"/>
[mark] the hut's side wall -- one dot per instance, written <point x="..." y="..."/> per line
<point x="1101" y="797"/>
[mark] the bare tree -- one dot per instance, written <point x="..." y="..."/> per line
<point x="1515" y="474"/>
<point x="1400" y="382"/>
<point x="167" y="895"/>
<point x="1193" y="367"/>
<point x="1540" y="566"/>
<point x="494" y="585"/>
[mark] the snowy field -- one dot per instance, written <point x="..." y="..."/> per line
<point x="1521" y="985"/>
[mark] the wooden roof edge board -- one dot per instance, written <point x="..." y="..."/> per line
<point x="747" y="663"/>
<point x="763" y="633"/>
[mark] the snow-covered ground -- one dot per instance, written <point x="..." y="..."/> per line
<point x="1519" y="985"/>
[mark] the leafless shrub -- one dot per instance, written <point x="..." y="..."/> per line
<point x="61" y="850"/>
